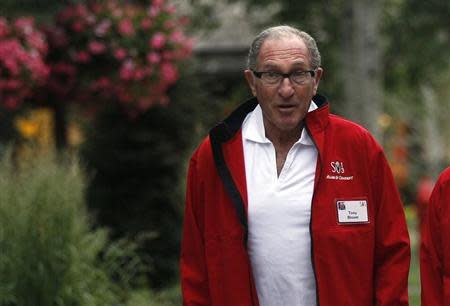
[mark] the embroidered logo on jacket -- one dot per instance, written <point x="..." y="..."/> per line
<point x="337" y="170"/>
<point x="337" y="167"/>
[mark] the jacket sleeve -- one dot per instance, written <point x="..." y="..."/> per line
<point x="194" y="278"/>
<point x="392" y="245"/>
<point x="433" y="278"/>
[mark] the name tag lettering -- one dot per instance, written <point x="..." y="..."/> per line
<point x="352" y="211"/>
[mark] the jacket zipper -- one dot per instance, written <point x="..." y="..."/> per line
<point x="319" y="159"/>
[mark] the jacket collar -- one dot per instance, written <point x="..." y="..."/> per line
<point x="230" y="127"/>
<point x="316" y="120"/>
<point x="253" y="128"/>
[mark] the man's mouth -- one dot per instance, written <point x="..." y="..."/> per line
<point x="286" y="107"/>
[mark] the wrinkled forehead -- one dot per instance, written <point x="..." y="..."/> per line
<point x="284" y="49"/>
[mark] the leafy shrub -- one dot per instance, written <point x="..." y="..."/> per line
<point x="49" y="255"/>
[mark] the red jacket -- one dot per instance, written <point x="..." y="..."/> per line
<point x="357" y="264"/>
<point x="435" y="247"/>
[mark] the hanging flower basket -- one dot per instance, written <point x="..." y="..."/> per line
<point x="22" y="66"/>
<point x="111" y="52"/>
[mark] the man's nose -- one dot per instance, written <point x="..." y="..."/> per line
<point x="286" y="90"/>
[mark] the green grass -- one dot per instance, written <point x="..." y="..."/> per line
<point x="414" y="273"/>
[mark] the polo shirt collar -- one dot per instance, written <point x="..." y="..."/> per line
<point x="253" y="127"/>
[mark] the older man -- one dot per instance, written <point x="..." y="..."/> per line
<point x="287" y="204"/>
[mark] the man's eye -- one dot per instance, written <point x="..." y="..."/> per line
<point x="272" y="74"/>
<point x="298" y="73"/>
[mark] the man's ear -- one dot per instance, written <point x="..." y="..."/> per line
<point x="317" y="78"/>
<point x="250" y="77"/>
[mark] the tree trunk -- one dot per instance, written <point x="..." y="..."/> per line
<point x="434" y="145"/>
<point x="60" y="124"/>
<point x="361" y="63"/>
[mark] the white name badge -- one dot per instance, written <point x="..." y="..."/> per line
<point x="352" y="211"/>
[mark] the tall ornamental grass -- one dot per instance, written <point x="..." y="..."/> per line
<point x="49" y="255"/>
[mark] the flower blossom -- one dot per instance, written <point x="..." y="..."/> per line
<point x="120" y="53"/>
<point x="169" y="73"/>
<point x="158" y="41"/>
<point x="125" y="27"/>
<point x="153" y="58"/>
<point x="4" y="28"/>
<point x="96" y="47"/>
<point x="22" y="66"/>
<point x="103" y="28"/>
<point x="126" y="53"/>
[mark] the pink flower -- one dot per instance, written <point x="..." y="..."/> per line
<point x="154" y="11"/>
<point x="169" y="73"/>
<point x="146" y="23"/>
<point x="177" y="37"/>
<point x="80" y="10"/>
<point x="37" y="41"/>
<point x="78" y="26"/>
<point x="90" y="19"/>
<point x="153" y="58"/>
<point x="127" y="71"/>
<point x="171" y="9"/>
<point x="83" y="57"/>
<point x="24" y="25"/>
<point x="12" y="85"/>
<point x="103" y="28"/>
<point x="158" y="3"/>
<point x="125" y="27"/>
<point x="139" y="74"/>
<point x="4" y="27"/>
<point x="120" y="53"/>
<point x="96" y="47"/>
<point x="158" y="41"/>
<point x="139" y="47"/>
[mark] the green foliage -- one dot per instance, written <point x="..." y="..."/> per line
<point x="137" y="167"/>
<point x="49" y="255"/>
<point x="7" y="130"/>
<point x="417" y="41"/>
<point x="168" y="297"/>
<point x="43" y="10"/>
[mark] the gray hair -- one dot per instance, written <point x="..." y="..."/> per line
<point x="278" y="32"/>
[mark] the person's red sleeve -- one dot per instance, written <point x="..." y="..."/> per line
<point x="194" y="278"/>
<point x="435" y="246"/>
<point x="392" y="244"/>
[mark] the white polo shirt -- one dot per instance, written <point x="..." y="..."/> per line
<point x="279" y="212"/>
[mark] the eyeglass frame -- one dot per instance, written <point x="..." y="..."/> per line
<point x="259" y="75"/>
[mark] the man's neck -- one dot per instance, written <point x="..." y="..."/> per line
<point x="283" y="142"/>
<point x="283" y="139"/>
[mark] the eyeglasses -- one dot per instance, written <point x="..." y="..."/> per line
<point x="274" y="78"/>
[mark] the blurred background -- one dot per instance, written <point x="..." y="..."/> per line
<point x="102" y="103"/>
